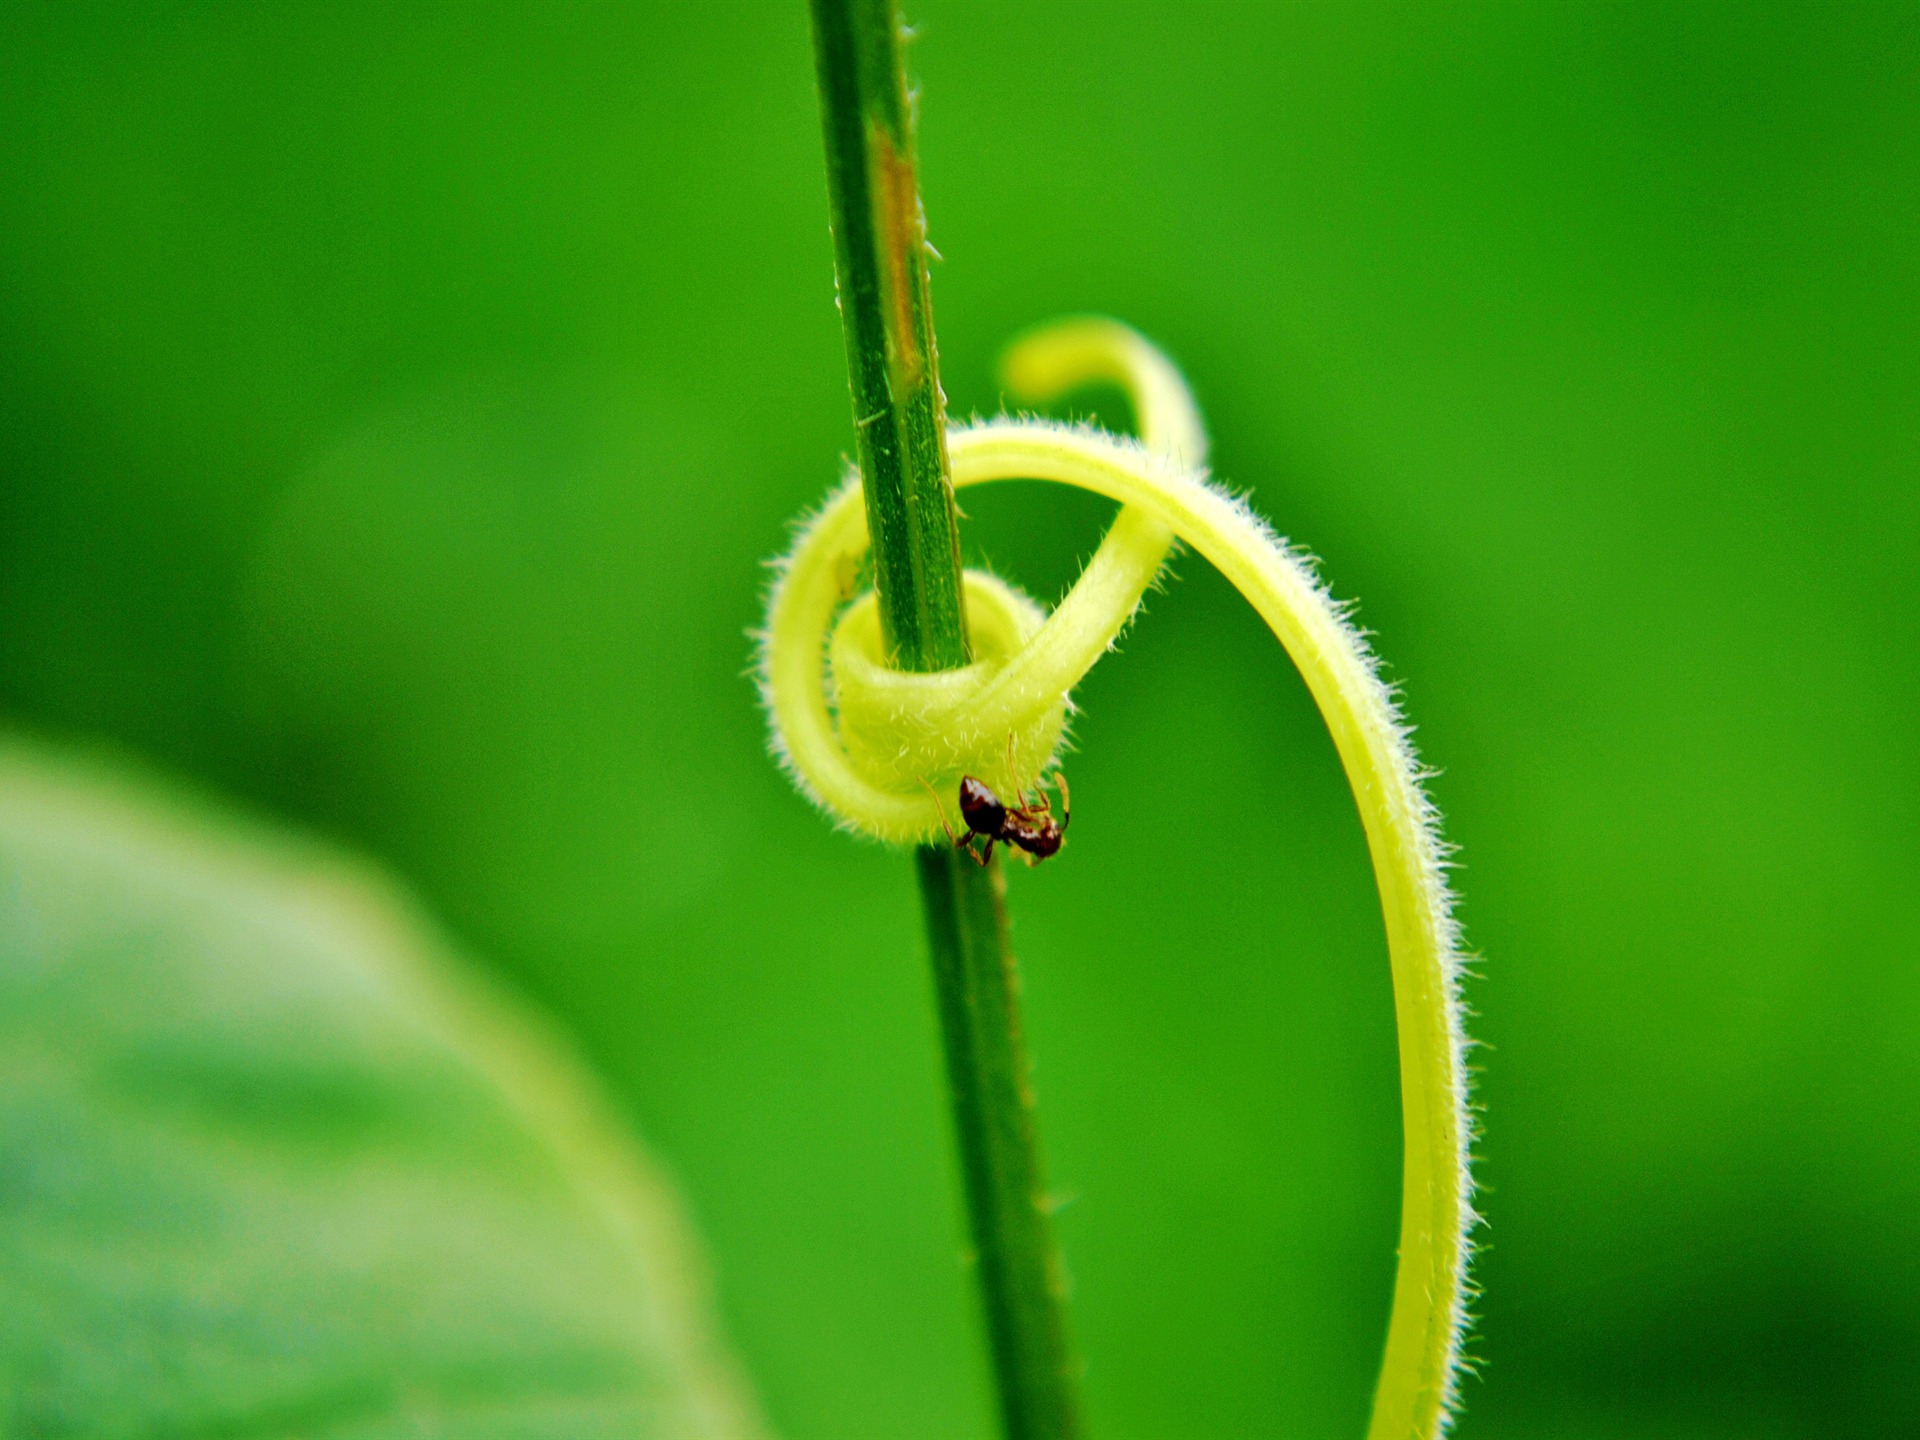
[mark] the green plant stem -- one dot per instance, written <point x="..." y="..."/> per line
<point x="1021" y="1281"/>
<point x="880" y="257"/>
<point x="880" y="260"/>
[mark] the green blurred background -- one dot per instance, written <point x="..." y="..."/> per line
<point x="397" y="401"/>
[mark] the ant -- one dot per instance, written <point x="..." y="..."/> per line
<point x="1029" y="825"/>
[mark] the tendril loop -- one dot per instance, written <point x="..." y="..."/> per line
<point x="865" y="741"/>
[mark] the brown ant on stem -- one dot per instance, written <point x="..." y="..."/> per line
<point x="1029" y="826"/>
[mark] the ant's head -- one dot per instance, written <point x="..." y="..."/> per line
<point x="980" y="807"/>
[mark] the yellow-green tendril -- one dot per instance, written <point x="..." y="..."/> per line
<point x="864" y="742"/>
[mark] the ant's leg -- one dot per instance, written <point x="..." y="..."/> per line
<point x="1066" y="799"/>
<point x="1013" y="780"/>
<point x="1035" y="807"/>
<point x="959" y="842"/>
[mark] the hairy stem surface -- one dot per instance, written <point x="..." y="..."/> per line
<point x="880" y="257"/>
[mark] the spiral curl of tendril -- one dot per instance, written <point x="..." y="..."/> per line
<point x="866" y="743"/>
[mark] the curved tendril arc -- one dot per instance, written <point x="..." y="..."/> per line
<point x="865" y="742"/>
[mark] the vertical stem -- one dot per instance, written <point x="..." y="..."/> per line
<point x="1022" y="1283"/>
<point x="880" y="261"/>
<point x="880" y="258"/>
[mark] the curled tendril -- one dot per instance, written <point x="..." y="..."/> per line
<point x="859" y="739"/>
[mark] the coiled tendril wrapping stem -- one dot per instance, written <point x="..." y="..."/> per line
<point x="860" y="739"/>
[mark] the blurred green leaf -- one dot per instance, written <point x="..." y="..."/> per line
<point x="271" y="1164"/>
